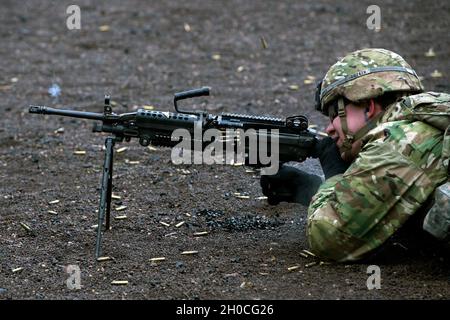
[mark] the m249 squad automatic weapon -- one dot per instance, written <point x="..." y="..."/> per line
<point x="295" y="141"/>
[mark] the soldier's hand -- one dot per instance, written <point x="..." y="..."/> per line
<point x="291" y="185"/>
<point x="330" y="158"/>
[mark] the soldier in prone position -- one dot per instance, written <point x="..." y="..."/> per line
<point x="386" y="156"/>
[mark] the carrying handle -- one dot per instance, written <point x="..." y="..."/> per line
<point x="199" y="92"/>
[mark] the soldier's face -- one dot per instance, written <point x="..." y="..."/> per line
<point x="356" y="119"/>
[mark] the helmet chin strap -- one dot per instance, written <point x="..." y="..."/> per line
<point x="351" y="137"/>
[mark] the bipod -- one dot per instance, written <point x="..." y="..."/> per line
<point x="104" y="210"/>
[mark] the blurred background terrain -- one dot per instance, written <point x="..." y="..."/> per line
<point x="259" y="57"/>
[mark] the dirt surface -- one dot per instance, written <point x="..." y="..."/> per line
<point x="252" y="54"/>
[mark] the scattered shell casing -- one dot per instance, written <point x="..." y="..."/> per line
<point x="264" y="43"/>
<point x="189" y="252"/>
<point x="293" y="268"/>
<point x="201" y="233"/>
<point x="26" y="227"/>
<point x="308" y="252"/>
<point x="121" y="149"/>
<point x="157" y="259"/>
<point x="102" y="259"/>
<point x="310" y="264"/>
<point x="179" y="224"/>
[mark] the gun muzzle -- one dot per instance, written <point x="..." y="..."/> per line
<point x="38" y="109"/>
<point x="66" y="113"/>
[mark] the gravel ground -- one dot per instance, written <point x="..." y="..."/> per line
<point x="256" y="56"/>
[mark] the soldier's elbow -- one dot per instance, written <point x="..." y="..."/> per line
<point x="329" y="242"/>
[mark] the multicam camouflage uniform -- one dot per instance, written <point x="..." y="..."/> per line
<point x="400" y="165"/>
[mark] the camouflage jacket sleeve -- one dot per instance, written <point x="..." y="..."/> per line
<point x="392" y="177"/>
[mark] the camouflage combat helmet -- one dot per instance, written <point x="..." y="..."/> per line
<point x="366" y="74"/>
<point x="362" y="75"/>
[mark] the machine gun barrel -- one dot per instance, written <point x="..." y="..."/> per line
<point x="67" y="113"/>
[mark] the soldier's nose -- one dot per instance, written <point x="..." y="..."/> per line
<point x="330" y="130"/>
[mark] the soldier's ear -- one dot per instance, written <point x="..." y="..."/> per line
<point x="371" y="109"/>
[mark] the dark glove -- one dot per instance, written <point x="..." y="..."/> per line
<point x="291" y="185"/>
<point x="330" y="158"/>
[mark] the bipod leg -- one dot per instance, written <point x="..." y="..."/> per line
<point x="105" y="194"/>
<point x="109" y="190"/>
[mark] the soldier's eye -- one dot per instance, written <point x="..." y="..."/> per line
<point x="333" y="110"/>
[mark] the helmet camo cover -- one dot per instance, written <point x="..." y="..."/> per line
<point x="366" y="74"/>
